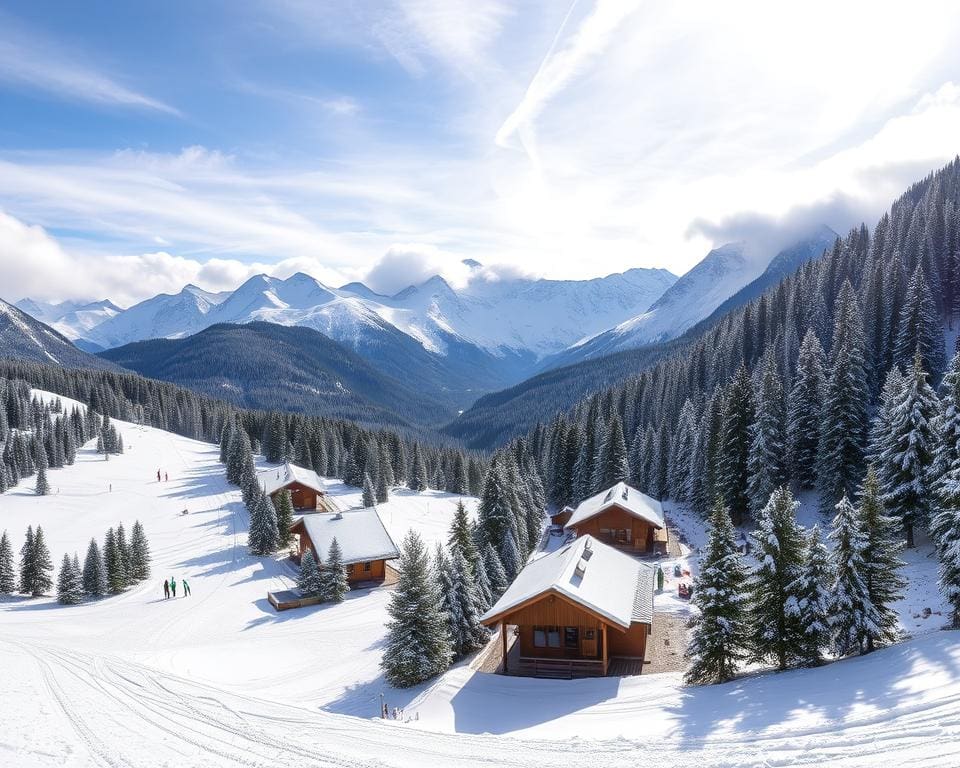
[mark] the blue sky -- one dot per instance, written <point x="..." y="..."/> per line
<point x="145" y="145"/>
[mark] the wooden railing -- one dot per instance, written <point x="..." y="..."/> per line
<point x="562" y="668"/>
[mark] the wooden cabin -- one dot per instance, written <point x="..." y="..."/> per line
<point x="561" y="518"/>
<point x="364" y="541"/>
<point x="622" y="517"/>
<point x="305" y="486"/>
<point x="575" y="609"/>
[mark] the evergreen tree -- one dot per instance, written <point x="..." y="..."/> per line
<point x="418" y="644"/>
<point x="510" y="557"/>
<point x="775" y="631"/>
<point x="843" y="417"/>
<point x="27" y="563"/>
<point x="42" y="565"/>
<point x="69" y="583"/>
<point x="495" y="512"/>
<point x="920" y="327"/>
<point x="333" y="575"/>
<point x="812" y="609"/>
<point x="94" y="572"/>
<point x="768" y="444"/>
<point x="718" y="640"/>
<point x="882" y="563"/>
<point x="369" y="498"/>
<point x="283" y="508"/>
<point x="308" y="582"/>
<point x="905" y="461"/>
<point x="123" y="547"/>
<point x="418" y="477"/>
<point x="734" y="450"/>
<point x="461" y="536"/>
<point x="139" y="563"/>
<point x="113" y="561"/>
<point x="496" y="575"/>
<point x="466" y="632"/>
<point x="383" y="488"/>
<point x="852" y="615"/>
<point x="806" y="398"/>
<point x="8" y="576"/>
<point x="42" y="487"/>
<point x="616" y="467"/>
<point x="263" y="534"/>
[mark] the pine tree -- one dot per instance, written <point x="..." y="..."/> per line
<point x="283" y="507"/>
<point x="308" y="582"/>
<point x="852" y="615"/>
<point x="843" y="417"/>
<point x="616" y="467"/>
<point x="905" y="461"/>
<point x="718" y="640"/>
<point x="69" y="583"/>
<point x="418" y="477"/>
<point x="8" y="576"/>
<point x="418" y="644"/>
<point x="383" y="488"/>
<point x="113" y="561"/>
<point x="510" y="556"/>
<point x="139" y="563"/>
<point x="123" y="547"/>
<point x="42" y="487"/>
<point x="495" y="512"/>
<point x="768" y="444"/>
<point x="738" y="416"/>
<point x="42" y="565"/>
<point x="263" y="534"/>
<point x="775" y="632"/>
<point x="461" y="535"/>
<point x="94" y="572"/>
<point x="812" y="608"/>
<point x="369" y="498"/>
<point x="333" y="575"/>
<point x="466" y="632"/>
<point x="27" y="563"/>
<point x="920" y="326"/>
<point x="495" y="573"/>
<point x="882" y="562"/>
<point x="806" y="398"/>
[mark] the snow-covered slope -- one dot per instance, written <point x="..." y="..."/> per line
<point x="24" y="338"/>
<point x="220" y="679"/>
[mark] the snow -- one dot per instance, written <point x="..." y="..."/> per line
<point x="359" y="532"/>
<point x="220" y="679"/>
<point x="591" y="574"/>
<point x="622" y="495"/>
<point x="274" y="478"/>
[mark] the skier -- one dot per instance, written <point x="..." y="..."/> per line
<point x="158" y="475"/>
<point x="173" y="586"/>
<point x="186" y="588"/>
<point x="659" y="578"/>
<point x="166" y="590"/>
<point x="166" y="476"/>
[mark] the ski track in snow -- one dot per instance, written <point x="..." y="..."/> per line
<point x="219" y="679"/>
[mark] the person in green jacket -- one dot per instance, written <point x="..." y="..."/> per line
<point x="186" y="588"/>
<point x="173" y="586"/>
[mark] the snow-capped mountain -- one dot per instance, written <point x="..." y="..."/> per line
<point x="24" y="338"/>
<point x="717" y="282"/>
<point x="506" y="325"/>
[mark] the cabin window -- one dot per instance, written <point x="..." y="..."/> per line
<point x="546" y="637"/>
<point x="553" y="637"/>
<point x="367" y="567"/>
<point x="571" y="637"/>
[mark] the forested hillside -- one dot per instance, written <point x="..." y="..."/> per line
<point x="831" y="369"/>
<point x="287" y="368"/>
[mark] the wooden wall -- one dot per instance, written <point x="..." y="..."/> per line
<point x="303" y="497"/>
<point x="641" y="532"/>
<point x="377" y="572"/>
<point x="633" y="642"/>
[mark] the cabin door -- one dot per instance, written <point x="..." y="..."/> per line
<point x="588" y="644"/>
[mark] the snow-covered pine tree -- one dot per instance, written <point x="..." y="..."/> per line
<point x="947" y="448"/>
<point x="418" y="643"/>
<point x="484" y="590"/>
<point x="42" y="486"/>
<point x="719" y="637"/>
<point x="94" y="572"/>
<point x="308" y="582"/>
<point x="812" y="608"/>
<point x="682" y="453"/>
<point x="767" y="459"/>
<point x="495" y="512"/>
<point x="852" y="615"/>
<point x="42" y="565"/>
<point x="616" y="467"/>
<point x="283" y="507"/>
<point x="139" y="564"/>
<point x="69" y="583"/>
<point x="920" y="327"/>
<point x="113" y="562"/>
<point x="333" y="574"/>
<point x="495" y="573"/>
<point x="466" y="632"/>
<point x="510" y="557"/>
<point x="123" y="547"/>
<point x="369" y="498"/>
<point x="8" y="576"/>
<point x="775" y="632"/>
<point x="906" y="459"/>
<point x="843" y="417"/>
<point x="738" y="416"/>
<point x="383" y="487"/>
<point x="882" y="563"/>
<point x="27" y="567"/>
<point x="418" y="475"/>
<point x="803" y="422"/>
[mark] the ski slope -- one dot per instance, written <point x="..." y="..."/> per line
<point x="220" y="679"/>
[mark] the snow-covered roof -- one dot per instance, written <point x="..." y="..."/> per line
<point x="621" y="495"/>
<point x="590" y="573"/>
<point x="359" y="532"/>
<point x="275" y="478"/>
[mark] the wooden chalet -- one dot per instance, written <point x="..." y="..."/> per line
<point x="562" y="517"/>
<point x="363" y="539"/>
<point x="622" y="517"/>
<point x="575" y="609"/>
<point x="305" y="486"/>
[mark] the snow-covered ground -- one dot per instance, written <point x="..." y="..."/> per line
<point x="220" y="679"/>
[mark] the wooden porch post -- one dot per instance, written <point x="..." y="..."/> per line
<point x="603" y="639"/>
<point x="503" y="639"/>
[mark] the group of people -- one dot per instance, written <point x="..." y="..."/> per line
<point x="162" y="476"/>
<point x="170" y="588"/>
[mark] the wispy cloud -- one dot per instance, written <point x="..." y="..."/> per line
<point x="31" y="61"/>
